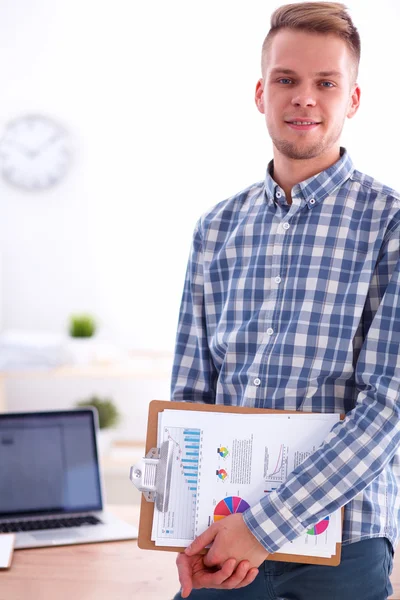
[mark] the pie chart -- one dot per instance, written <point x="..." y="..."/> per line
<point x="319" y="527"/>
<point x="223" y="451"/>
<point x="229" y="506"/>
<point x="222" y="474"/>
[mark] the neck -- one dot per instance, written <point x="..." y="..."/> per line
<point x="289" y="171"/>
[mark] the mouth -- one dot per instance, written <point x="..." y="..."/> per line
<point x="302" y="125"/>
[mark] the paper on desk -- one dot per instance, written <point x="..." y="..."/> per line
<point x="6" y="549"/>
<point x="224" y="463"/>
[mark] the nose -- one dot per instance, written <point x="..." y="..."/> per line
<point x="303" y="97"/>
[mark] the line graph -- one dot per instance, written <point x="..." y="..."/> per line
<point x="275" y="468"/>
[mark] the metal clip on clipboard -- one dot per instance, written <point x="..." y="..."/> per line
<point x="152" y="475"/>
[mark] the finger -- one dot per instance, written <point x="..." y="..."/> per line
<point x="185" y="574"/>
<point x="250" y="577"/>
<point x="201" y="541"/>
<point x="237" y="577"/>
<point x="214" y="579"/>
<point x="213" y="558"/>
<point x="217" y="554"/>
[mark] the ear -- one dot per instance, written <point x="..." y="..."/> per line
<point x="354" y="102"/>
<point x="259" y="97"/>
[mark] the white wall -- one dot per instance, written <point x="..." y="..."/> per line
<point x="158" y="97"/>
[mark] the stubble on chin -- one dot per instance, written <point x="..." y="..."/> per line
<point x="296" y="151"/>
<point x="303" y="149"/>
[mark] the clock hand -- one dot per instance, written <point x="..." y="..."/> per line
<point x="23" y="149"/>
<point x="34" y="153"/>
<point x="47" y="143"/>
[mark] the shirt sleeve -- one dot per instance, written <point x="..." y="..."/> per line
<point x="359" y="447"/>
<point x="194" y="375"/>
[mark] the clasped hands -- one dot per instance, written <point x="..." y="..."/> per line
<point x="231" y="562"/>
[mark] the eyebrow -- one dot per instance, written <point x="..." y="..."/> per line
<point x="318" y="74"/>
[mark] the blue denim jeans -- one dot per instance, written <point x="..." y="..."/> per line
<point x="363" y="574"/>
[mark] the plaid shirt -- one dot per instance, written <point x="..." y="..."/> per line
<point x="297" y="307"/>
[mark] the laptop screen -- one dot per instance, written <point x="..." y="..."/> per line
<point x="48" y="463"/>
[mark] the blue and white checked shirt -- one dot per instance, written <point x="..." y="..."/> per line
<point x="297" y="307"/>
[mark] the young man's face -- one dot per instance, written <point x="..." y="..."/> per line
<point x="294" y="89"/>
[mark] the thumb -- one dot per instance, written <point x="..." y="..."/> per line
<point x="201" y="541"/>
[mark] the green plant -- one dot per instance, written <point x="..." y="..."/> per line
<point x="108" y="412"/>
<point x="82" y="325"/>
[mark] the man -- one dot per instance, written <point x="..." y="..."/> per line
<point x="291" y="301"/>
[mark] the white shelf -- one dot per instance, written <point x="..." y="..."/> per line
<point x="140" y="365"/>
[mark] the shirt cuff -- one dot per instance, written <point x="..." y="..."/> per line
<point x="273" y="523"/>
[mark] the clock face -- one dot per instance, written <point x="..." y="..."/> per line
<point x="34" y="152"/>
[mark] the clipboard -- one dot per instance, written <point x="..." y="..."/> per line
<point x="153" y="456"/>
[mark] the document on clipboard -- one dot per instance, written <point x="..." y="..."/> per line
<point x="219" y="462"/>
<point x="6" y="549"/>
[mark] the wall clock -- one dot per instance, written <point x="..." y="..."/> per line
<point x="34" y="152"/>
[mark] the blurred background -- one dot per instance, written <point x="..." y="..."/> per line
<point x="121" y="123"/>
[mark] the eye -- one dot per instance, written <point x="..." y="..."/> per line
<point x="283" y="79"/>
<point x="330" y="84"/>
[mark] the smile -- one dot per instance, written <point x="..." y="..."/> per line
<point x="305" y="125"/>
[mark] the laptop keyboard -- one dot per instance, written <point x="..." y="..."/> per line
<point x="14" y="526"/>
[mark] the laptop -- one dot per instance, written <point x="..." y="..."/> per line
<point x="51" y="492"/>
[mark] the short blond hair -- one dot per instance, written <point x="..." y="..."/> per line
<point x="316" y="17"/>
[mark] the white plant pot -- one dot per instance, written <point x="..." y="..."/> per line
<point x="105" y="439"/>
<point x="82" y="351"/>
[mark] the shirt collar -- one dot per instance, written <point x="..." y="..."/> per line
<point x="315" y="188"/>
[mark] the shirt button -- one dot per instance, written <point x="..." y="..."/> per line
<point x="278" y="279"/>
<point x="257" y="381"/>
<point x="286" y="226"/>
<point x="278" y="194"/>
<point x="312" y="200"/>
<point x="270" y="331"/>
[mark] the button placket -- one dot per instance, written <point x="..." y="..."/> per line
<point x="278" y="236"/>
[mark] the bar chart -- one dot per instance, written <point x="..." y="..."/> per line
<point x="190" y="458"/>
<point x="179" y="523"/>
